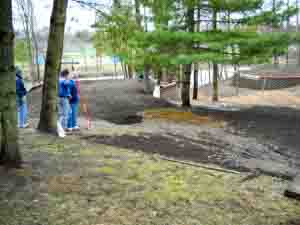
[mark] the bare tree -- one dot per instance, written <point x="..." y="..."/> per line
<point x="34" y="38"/>
<point x="24" y="17"/>
<point x="27" y="17"/>
<point x="48" y="115"/>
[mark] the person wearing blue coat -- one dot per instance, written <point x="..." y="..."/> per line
<point x="74" y="101"/>
<point x="21" y="100"/>
<point x="64" y="97"/>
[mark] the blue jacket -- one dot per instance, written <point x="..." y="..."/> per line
<point x="74" y="92"/>
<point x="63" y="88"/>
<point x="20" y="88"/>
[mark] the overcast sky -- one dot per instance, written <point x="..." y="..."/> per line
<point x="78" y="18"/>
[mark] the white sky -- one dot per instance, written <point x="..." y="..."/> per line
<point x="78" y="18"/>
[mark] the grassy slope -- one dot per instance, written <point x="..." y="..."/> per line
<point x="68" y="182"/>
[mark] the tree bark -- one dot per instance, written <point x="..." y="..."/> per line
<point x="215" y="96"/>
<point x="275" y="55"/>
<point x="130" y="71"/>
<point x="196" y="85"/>
<point x="196" y="65"/>
<point x="138" y="16"/>
<point x="185" y="88"/>
<point x="147" y="84"/>
<point x="9" y="148"/>
<point x="116" y="3"/>
<point x="288" y="30"/>
<point x="48" y="116"/>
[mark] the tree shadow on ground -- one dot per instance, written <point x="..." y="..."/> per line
<point x="174" y="146"/>
<point x="266" y="123"/>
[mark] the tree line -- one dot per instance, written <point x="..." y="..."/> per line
<point x="176" y="36"/>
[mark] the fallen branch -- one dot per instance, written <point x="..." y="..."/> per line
<point x="198" y="165"/>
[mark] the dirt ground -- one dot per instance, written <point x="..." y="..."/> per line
<point x="255" y="138"/>
<point x="76" y="182"/>
<point x="288" y="97"/>
<point x="119" y="171"/>
<point x="234" y="166"/>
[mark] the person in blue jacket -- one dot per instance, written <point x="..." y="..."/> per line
<point x="21" y="100"/>
<point x="64" y="97"/>
<point x="74" y="101"/>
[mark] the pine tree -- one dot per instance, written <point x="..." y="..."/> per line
<point x="220" y="45"/>
<point x="173" y="41"/>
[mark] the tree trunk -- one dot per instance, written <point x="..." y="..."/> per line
<point x="185" y="90"/>
<point x="297" y="30"/>
<point x="48" y="116"/>
<point x="196" y="85"/>
<point x="196" y="68"/>
<point x="215" y="96"/>
<point x="287" y="29"/>
<point x="116" y="3"/>
<point x="101" y="66"/>
<point x="9" y="148"/>
<point x="275" y="55"/>
<point x="138" y="16"/>
<point x="97" y="64"/>
<point x="34" y="39"/>
<point x="130" y="71"/>
<point x="24" y="11"/>
<point x="185" y="87"/>
<point x="147" y="84"/>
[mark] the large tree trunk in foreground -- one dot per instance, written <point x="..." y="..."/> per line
<point x="9" y="148"/>
<point x="48" y="116"/>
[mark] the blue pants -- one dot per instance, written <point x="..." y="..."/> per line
<point x="22" y="112"/>
<point x="72" y="121"/>
<point x="63" y="112"/>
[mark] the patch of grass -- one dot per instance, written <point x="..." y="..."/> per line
<point x="107" y="170"/>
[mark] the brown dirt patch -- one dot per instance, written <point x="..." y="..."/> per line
<point x="204" y="150"/>
<point x="64" y="184"/>
<point x="181" y="116"/>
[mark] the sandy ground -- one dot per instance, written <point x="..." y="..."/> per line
<point x="288" y="97"/>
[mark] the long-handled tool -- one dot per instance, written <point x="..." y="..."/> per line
<point x="84" y="109"/>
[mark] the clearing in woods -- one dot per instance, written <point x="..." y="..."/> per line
<point x="117" y="172"/>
